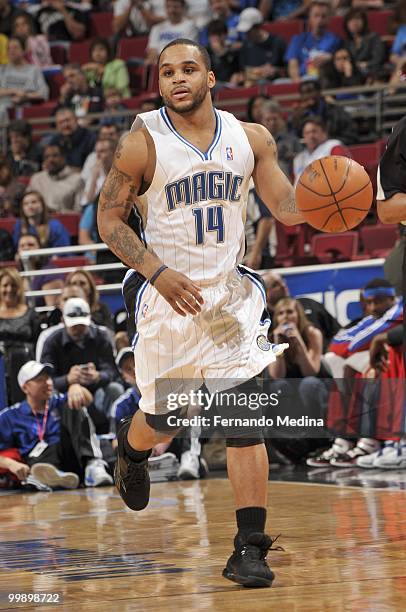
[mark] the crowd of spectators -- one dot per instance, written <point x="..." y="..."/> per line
<point x="61" y="171"/>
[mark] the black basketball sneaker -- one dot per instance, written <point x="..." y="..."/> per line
<point x="247" y="565"/>
<point x="131" y="477"/>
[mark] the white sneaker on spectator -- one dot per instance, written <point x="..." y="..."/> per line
<point x="56" y="479"/>
<point x="163" y="467"/>
<point x="363" y="448"/>
<point x="368" y="461"/>
<point x="32" y="484"/>
<point x="394" y="459"/>
<point x="189" y="466"/>
<point x="96" y="474"/>
<point x="323" y="459"/>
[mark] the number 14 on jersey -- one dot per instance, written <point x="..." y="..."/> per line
<point x="214" y="222"/>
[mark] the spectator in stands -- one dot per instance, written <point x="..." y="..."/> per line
<point x="37" y="46"/>
<point x="108" y="129"/>
<point x="286" y="9"/>
<point x="132" y="17"/>
<point x="61" y="21"/>
<point x="59" y="184"/>
<point x="34" y="428"/>
<point x="95" y="175"/>
<point x="176" y="25"/>
<point x="20" y="82"/>
<point x="44" y="282"/>
<point x="76" y="142"/>
<point x="11" y="190"/>
<point x="317" y="144"/>
<point x="25" y="157"/>
<point x="224" y="59"/>
<point x="287" y="142"/>
<point x="366" y="48"/>
<point x="341" y="71"/>
<point x="7" y="15"/>
<point x="7" y="250"/>
<point x="314" y="104"/>
<point x="262" y="54"/>
<point x="316" y="313"/>
<point x="104" y="71"/>
<point x="254" y="108"/>
<point x="307" y="52"/>
<point x="81" y="352"/>
<point x="221" y="11"/>
<point x="34" y="219"/>
<point x="54" y="316"/>
<point x="78" y="94"/>
<point x="99" y="311"/>
<point x="113" y="102"/>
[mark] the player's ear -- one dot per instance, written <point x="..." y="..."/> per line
<point x="211" y="79"/>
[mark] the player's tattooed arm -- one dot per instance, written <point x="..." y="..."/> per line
<point x="117" y="198"/>
<point x="271" y="184"/>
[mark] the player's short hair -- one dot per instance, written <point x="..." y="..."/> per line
<point x="190" y="43"/>
<point x="378" y="282"/>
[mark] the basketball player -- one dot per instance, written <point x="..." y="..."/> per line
<point x="391" y="194"/>
<point x="197" y="312"/>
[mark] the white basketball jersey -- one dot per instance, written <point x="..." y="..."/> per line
<point x="194" y="210"/>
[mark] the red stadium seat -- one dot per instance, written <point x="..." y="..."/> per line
<point x="39" y="110"/>
<point x="70" y="221"/>
<point x="101" y="24"/>
<point x="285" y="29"/>
<point x="235" y="100"/>
<point x="132" y="47"/>
<point x="58" y="54"/>
<point x="336" y="25"/>
<point x="79" y="52"/>
<point x="368" y="155"/>
<point x="290" y="244"/>
<point x="70" y="262"/>
<point x="378" y="21"/>
<point x="8" y="224"/>
<point x="379" y="239"/>
<point x="330" y="248"/>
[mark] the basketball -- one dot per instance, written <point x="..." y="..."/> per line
<point x="334" y="194"/>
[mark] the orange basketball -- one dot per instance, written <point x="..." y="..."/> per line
<point x="334" y="194"/>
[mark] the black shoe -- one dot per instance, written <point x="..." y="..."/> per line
<point x="131" y="477"/>
<point x="247" y="565"/>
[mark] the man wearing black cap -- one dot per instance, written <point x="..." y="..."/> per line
<point x="52" y="433"/>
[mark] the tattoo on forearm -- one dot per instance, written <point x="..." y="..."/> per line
<point x="127" y="246"/>
<point x="126" y="204"/>
<point x="114" y="183"/>
<point x="288" y="205"/>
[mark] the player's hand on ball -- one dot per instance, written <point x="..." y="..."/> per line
<point x="182" y="294"/>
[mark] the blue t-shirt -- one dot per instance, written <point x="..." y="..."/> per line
<point x="58" y="234"/>
<point x="19" y="425"/>
<point x="87" y="221"/>
<point x="301" y="46"/>
<point x="398" y="46"/>
<point x="125" y="405"/>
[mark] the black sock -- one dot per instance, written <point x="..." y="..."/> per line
<point x="250" y="520"/>
<point x="135" y="455"/>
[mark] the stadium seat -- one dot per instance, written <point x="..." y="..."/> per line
<point x="135" y="47"/>
<point x="70" y="262"/>
<point x="235" y="100"/>
<point x="58" y="54"/>
<point x="79" y="52"/>
<point x="378" y="21"/>
<point x="274" y="90"/>
<point x="101" y="24"/>
<point x="336" y="25"/>
<point x="8" y="223"/>
<point x="70" y="221"/>
<point x="368" y="155"/>
<point x="285" y="29"/>
<point x="290" y="244"/>
<point x="379" y="239"/>
<point x="331" y="248"/>
<point x="37" y="111"/>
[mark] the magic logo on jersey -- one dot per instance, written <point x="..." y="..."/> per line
<point x="203" y="186"/>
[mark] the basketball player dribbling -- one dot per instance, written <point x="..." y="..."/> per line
<point x="173" y="209"/>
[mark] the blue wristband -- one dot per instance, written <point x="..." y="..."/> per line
<point x="157" y="273"/>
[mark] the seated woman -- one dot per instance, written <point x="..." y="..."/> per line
<point x="100" y="313"/>
<point x="367" y="48"/>
<point x="104" y="70"/>
<point x="34" y="220"/>
<point x="341" y="71"/>
<point x="19" y="327"/>
<point x="37" y="45"/>
<point x="302" y="360"/>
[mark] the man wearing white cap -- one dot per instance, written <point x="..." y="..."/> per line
<point x="52" y="433"/>
<point x="81" y="352"/>
<point x="262" y="53"/>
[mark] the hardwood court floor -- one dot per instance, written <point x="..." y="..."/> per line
<point x="345" y="549"/>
